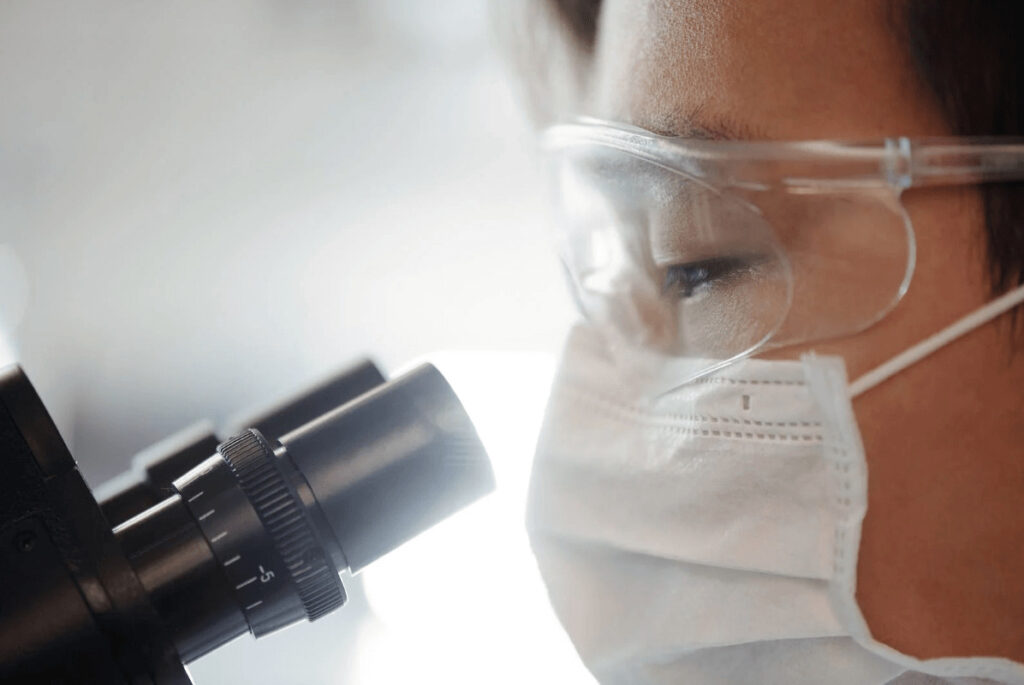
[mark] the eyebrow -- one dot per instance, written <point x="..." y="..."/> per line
<point x="699" y="124"/>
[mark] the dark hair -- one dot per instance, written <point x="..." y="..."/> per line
<point x="969" y="56"/>
<point x="580" y="17"/>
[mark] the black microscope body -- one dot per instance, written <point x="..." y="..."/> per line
<point x="211" y="538"/>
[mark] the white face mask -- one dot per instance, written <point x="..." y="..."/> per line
<point x="711" y="535"/>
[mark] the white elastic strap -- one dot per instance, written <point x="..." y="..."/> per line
<point x="947" y="335"/>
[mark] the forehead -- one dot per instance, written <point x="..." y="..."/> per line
<point x="777" y="69"/>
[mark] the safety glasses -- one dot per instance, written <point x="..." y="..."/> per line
<point x="705" y="252"/>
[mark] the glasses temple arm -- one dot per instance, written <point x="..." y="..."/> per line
<point x="922" y="164"/>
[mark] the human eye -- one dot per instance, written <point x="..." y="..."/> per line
<point x="693" y="279"/>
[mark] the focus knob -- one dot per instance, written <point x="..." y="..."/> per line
<point x="253" y="463"/>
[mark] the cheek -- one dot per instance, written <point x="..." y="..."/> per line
<point x="948" y="282"/>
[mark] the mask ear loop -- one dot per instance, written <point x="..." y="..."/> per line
<point x="911" y="356"/>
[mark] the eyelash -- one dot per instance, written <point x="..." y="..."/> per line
<point x="689" y="279"/>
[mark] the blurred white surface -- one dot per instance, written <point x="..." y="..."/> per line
<point x="217" y="201"/>
<point x="206" y="205"/>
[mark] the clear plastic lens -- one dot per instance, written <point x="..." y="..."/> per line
<point x="851" y="256"/>
<point x="668" y="263"/>
<point x="665" y="262"/>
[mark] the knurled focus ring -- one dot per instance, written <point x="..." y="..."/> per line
<point x="253" y="464"/>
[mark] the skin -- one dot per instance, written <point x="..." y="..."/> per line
<point x="940" y="566"/>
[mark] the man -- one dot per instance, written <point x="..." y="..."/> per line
<point x="938" y="569"/>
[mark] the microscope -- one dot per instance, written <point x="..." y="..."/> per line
<point x="209" y="537"/>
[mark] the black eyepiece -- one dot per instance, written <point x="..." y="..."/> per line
<point x="253" y="537"/>
<point x="390" y="464"/>
<point x="153" y="471"/>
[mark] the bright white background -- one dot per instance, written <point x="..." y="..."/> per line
<point x="204" y="205"/>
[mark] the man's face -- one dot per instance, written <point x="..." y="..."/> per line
<point x="793" y="70"/>
<point x="810" y="69"/>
